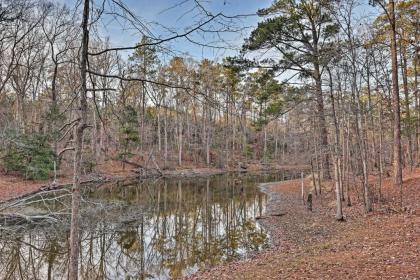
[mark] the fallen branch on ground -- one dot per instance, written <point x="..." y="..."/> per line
<point x="270" y="215"/>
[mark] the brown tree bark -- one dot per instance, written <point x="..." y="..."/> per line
<point x="397" y="161"/>
<point x="403" y="57"/>
<point x="322" y="123"/>
<point x="337" y="155"/>
<point x="74" y="227"/>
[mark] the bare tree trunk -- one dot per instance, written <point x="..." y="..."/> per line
<point x="158" y="130"/>
<point x="407" y="103"/>
<point x="140" y="118"/>
<point x="375" y="158"/>
<point x="276" y="141"/>
<point x="95" y="136"/>
<point x="347" y="171"/>
<point x="265" y="145"/>
<point x="165" y="137"/>
<point x="381" y="168"/>
<point x="397" y="162"/>
<point x="74" y="227"/>
<point x="102" y="139"/>
<point x="417" y="105"/>
<point x="208" y="148"/>
<point x="363" y="151"/>
<point x="302" y="190"/>
<point x="54" y="108"/>
<point x="179" y="141"/>
<point x="313" y="177"/>
<point x="416" y="90"/>
<point x="337" y="156"/>
<point x="360" y="132"/>
<point x="319" y="174"/>
<point x="206" y="135"/>
<point x="204" y="138"/>
<point x="322" y="125"/>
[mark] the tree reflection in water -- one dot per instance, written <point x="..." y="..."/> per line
<point x="161" y="229"/>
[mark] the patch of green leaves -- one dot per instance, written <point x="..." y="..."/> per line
<point x="30" y="155"/>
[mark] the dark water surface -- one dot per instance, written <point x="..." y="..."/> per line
<point x="157" y="229"/>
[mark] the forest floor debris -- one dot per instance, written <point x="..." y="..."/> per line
<point x="384" y="244"/>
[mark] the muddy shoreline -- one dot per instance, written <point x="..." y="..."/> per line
<point x="313" y="245"/>
<point x="283" y="206"/>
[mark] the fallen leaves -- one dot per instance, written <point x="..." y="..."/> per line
<point x="382" y="245"/>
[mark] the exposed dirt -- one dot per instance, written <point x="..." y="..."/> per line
<point x="14" y="186"/>
<point x="312" y="245"/>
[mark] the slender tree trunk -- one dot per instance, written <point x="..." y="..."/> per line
<point x="54" y="109"/>
<point x="397" y="162"/>
<point x="318" y="170"/>
<point x="276" y="141"/>
<point x="337" y="156"/>
<point x="265" y="145"/>
<point x="204" y="137"/>
<point x="347" y="171"/>
<point x="102" y="139"/>
<point x="417" y="105"/>
<point x="95" y="136"/>
<point x="313" y="177"/>
<point x="179" y="141"/>
<point x="158" y="130"/>
<point x="208" y="148"/>
<point x="416" y="89"/>
<point x="322" y="124"/>
<point x="381" y="165"/>
<point x="407" y="103"/>
<point x="370" y="113"/>
<point x="74" y="226"/>
<point x="165" y="137"/>
<point x="360" y="130"/>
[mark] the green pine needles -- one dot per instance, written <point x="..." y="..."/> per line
<point x="30" y="155"/>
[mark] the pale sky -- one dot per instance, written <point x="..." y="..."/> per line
<point x="179" y="16"/>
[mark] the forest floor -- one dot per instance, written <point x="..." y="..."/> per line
<point x="384" y="244"/>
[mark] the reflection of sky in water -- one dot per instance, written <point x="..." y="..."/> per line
<point x="181" y="226"/>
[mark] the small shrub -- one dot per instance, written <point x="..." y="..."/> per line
<point x="30" y="155"/>
<point x="249" y="151"/>
<point x="128" y="131"/>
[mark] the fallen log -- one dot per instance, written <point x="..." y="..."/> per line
<point x="16" y="219"/>
<point x="270" y="215"/>
<point x="47" y="188"/>
<point x="137" y="165"/>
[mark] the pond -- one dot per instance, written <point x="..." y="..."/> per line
<point x="155" y="229"/>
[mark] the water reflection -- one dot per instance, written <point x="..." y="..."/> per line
<point x="153" y="230"/>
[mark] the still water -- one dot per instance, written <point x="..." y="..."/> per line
<point x="157" y="229"/>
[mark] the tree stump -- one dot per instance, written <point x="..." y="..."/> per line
<point x="309" y="202"/>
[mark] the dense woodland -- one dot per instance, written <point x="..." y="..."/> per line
<point x="315" y="84"/>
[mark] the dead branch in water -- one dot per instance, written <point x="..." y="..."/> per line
<point x="20" y="219"/>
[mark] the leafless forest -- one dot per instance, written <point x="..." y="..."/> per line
<point x="316" y="84"/>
